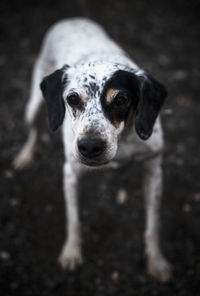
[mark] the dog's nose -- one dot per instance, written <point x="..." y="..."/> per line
<point x="91" y="148"/>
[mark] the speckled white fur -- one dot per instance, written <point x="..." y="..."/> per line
<point x="89" y="51"/>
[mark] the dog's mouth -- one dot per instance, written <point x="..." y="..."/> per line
<point x="93" y="162"/>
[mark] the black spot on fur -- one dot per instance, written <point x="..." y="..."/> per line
<point x="91" y="76"/>
<point x="92" y="89"/>
<point x="86" y="86"/>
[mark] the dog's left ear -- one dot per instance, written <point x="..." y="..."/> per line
<point x="52" y="88"/>
<point x="151" y="98"/>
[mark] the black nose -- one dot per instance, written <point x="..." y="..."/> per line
<point x="91" y="148"/>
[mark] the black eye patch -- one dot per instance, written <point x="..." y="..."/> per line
<point x="117" y="109"/>
<point x="116" y="106"/>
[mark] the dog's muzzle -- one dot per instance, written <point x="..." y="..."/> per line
<point x="92" y="151"/>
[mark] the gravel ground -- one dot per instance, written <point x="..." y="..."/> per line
<point x="163" y="37"/>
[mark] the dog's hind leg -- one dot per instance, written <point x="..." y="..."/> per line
<point x="157" y="265"/>
<point x="32" y="112"/>
<point x="25" y="155"/>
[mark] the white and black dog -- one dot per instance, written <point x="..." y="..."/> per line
<point x="97" y="93"/>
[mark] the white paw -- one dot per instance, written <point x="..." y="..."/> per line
<point x="70" y="257"/>
<point x="22" y="160"/>
<point x="160" y="269"/>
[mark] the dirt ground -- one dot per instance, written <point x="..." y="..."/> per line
<point x="162" y="37"/>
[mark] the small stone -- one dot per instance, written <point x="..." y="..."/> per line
<point x="187" y="208"/>
<point x="183" y="101"/>
<point x="98" y="281"/>
<point x="142" y="279"/>
<point x="49" y="208"/>
<point x="24" y="42"/>
<point x="14" y="285"/>
<point x="13" y="202"/>
<point x="4" y="255"/>
<point x="163" y="60"/>
<point x="179" y="75"/>
<point x="122" y="196"/>
<point x="8" y="174"/>
<point x="115" y="276"/>
<point x="168" y="111"/>
<point x="197" y="196"/>
<point x="100" y="262"/>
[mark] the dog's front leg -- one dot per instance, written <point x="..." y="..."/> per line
<point x="157" y="265"/>
<point x="71" y="253"/>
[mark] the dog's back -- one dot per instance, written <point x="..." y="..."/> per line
<point x="74" y="40"/>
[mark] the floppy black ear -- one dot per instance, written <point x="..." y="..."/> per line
<point x="52" y="88"/>
<point x="151" y="98"/>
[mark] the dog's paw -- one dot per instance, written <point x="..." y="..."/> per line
<point x="70" y="257"/>
<point x="22" y="160"/>
<point x="159" y="269"/>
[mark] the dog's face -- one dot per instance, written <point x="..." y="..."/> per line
<point x="99" y="101"/>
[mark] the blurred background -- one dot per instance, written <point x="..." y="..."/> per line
<point x="163" y="38"/>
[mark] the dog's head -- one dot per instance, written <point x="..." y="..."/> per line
<point x="100" y="100"/>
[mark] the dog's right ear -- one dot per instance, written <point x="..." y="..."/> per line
<point x="151" y="98"/>
<point x="52" y="88"/>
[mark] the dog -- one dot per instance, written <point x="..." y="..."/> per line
<point x="100" y="97"/>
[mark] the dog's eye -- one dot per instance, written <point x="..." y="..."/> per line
<point x="120" y="100"/>
<point x="74" y="99"/>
